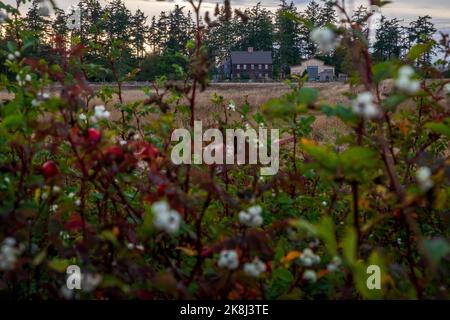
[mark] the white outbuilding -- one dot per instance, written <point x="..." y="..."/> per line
<point x="316" y="69"/>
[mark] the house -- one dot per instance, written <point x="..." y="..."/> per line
<point x="316" y="69"/>
<point x="249" y="65"/>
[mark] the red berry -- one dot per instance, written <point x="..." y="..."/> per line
<point x="94" y="135"/>
<point x="49" y="169"/>
<point x="397" y="214"/>
<point x="114" y="152"/>
<point x="145" y="151"/>
<point x="161" y="190"/>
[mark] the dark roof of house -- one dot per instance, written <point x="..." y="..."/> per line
<point x="244" y="57"/>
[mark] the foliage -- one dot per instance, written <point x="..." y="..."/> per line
<point x="94" y="185"/>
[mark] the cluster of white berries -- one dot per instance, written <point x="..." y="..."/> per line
<point x="165" y="218"/>
<point x="423" y="176"/>
<point x="44" y="96"/>
<point x="405" y="80"/>
<point x="325" y="39"/>
<point x="334" y="264"/>
<point x="100" y="113"/>
<point x="132" y="246"/>
<point x="64" y="235"/>
<point x="447" y="88"/>
<point x="82" y="117"/>
<point x="232" y="106"/>
<point x="23" y="79"/>
<point x="142" y="165"/>
<point x="252" y="217"/>
<point x="228" y="259"/>
<point x="14" y="56"/>
<point x="310" y="276"/>
<point x="308" y="258"/>
<point x="364" y="106"/>
<point x="255" y="268"/>
<point x="9" y="253"/>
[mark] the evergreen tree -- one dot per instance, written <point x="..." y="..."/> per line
<point x="179" y="28"/>
<point x="360" y="17"/>
<point x="317" y="17"/>
<point x="327" y="14"/>
<point x="388" y="43"/>
<point x="258" y="31"/>
<point x="286" y="38"/>
<point x="39" y="25"/>
<point x="139" y="31"/>
<point x="224" y="37"/>
<point x="421" y="31"/>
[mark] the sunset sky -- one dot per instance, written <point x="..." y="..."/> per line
<point x="403" y="9"/>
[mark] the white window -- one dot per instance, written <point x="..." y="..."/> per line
<point x="259" y="75"/>
<point x="245" y="67"/>
<point x="253" y="67"/>
<point x="238" y="67"/>
<point x="259" y="66"/>
<point x="267" y="67"/>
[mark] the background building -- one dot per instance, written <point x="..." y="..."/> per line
<point x="249" y="65"/>
<point x="316" y="69"/>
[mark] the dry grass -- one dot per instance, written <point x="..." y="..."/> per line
<point x="324" y="129"/>
<point x="256" y="94"/>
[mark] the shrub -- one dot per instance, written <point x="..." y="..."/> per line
<point x="82" y="186"/>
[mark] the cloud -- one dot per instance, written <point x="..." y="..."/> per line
<point x="406" y="10"/>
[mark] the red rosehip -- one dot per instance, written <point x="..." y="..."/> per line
<point x="49" y="169"/>
<point x="114" y="152"/>
<point x="161" y="190"/>
<point x="145" y="151"/>
<point x="94" y="135"/>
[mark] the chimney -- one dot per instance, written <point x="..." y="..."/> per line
<point x="250" y="49"/>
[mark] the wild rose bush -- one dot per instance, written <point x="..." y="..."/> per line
<point x="78" y="187"/>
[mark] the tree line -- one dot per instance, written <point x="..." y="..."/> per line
<point x="121" y="41"/>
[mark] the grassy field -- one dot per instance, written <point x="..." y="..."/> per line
<point x="324" y="129"/>
<point x="256" y="94"/>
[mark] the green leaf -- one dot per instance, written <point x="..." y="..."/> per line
<point x="394" y="100"/>
<point x="437" y="248"/>
<point x="11" y="47"/>
<point x="325" y="230"/>
<point x="355" y="163"/>
<point x="349" y="246"/>
<point x="281" y="282"/>
<point x="382" y="71"/>
<point x="419" y="50"/>
<point x="13" y="122"/>
<point x="39" y="258"/>
<point x="307" y="96"/>
<point x="109" y="236"/>
<point x="325" y="157"/>
<point x="439" y="127"/>
<point x="59" y="265"/>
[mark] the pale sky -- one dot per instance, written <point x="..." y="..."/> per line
<point x="403" y="9"/>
